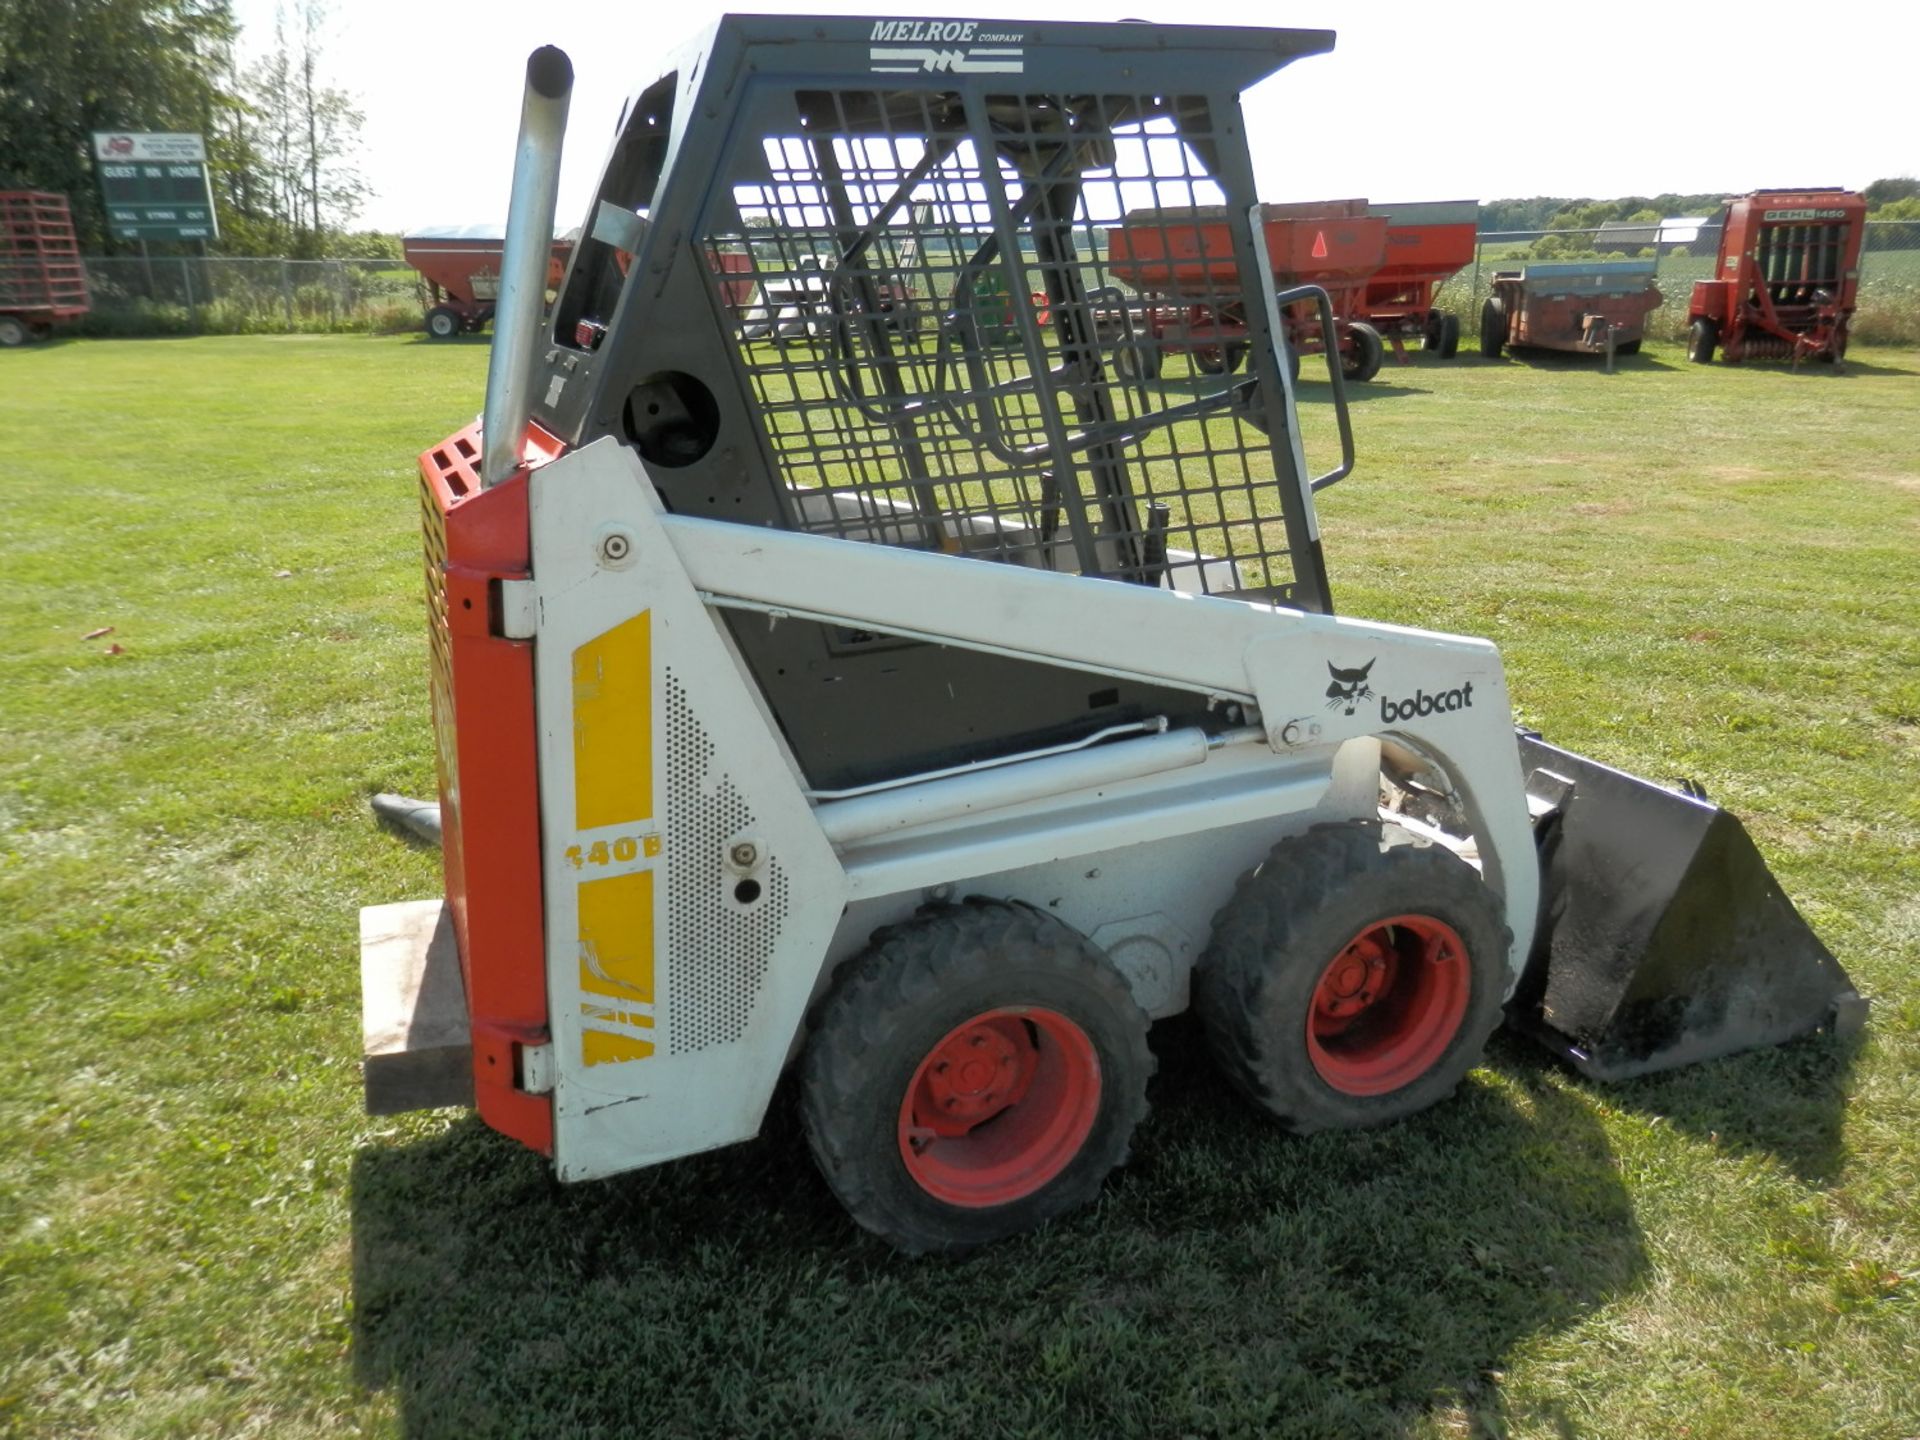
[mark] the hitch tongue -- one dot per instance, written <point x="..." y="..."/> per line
<point x="1664" y="939"/>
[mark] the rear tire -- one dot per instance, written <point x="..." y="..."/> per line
<point x="1139" y="360"/>
<point x="1220" y="359"/>
<point x="1627" y="347"/>
<point x="1493" y="327"/>
<point x="13" y="331"/>
<point x="1449" y="336"/>
<point x="443" y="322"/>
<point x="1354" y="977"/>
<point x="924" y="1151"/>
<point x="1703" y="338"/>
<point x="1369" y="351"/>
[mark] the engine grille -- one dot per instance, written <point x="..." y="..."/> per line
<point x="717" y="948"/>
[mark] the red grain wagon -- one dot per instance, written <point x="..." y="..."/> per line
<point x="42" y="282"/>
<point x="1428" y="243"/>
<point x="1787" y="278"/>
<point x="1186" y="257"/>
<point x="461" y="268"/>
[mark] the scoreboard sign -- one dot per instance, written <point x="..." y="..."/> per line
<point x="155" y="186"/>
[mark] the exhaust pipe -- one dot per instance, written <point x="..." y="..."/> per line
<point x="523" y="267"/>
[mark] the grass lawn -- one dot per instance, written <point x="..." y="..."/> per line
<point x="1702" y="572"/>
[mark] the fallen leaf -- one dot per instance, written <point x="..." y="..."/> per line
<point x="114" y="650"/>
<point x="96" y="634"/>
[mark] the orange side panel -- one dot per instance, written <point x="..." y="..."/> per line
<point x="483" y="716"/>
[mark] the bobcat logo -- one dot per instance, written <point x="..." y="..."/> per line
<point x="1349" y="687"/>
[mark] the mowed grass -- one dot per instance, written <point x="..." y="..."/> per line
<point x="1698" y="572"/>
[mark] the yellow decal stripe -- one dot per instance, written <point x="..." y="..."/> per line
<point x="616" y="936"/>
<point x="602" y="1047"/>
<point x="613" y="726"/>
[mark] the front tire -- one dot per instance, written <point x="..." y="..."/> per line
<point x="1449" y="336"/>
<point x="1353" y="978"/>
<point x="1368" y="353"/>
<point x="974" y="1074"/>
<point x="1493" y="327"/>
<point x="444" y="323"/>
<point x="1703" y="338"/>
<point x="13" y="331"/>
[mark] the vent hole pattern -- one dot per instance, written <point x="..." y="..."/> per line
<point x="717" y="951"/>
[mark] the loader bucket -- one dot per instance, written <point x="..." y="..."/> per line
<point x="1664" y="938"/>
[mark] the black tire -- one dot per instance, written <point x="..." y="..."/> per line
<point x="444" y="322"/>
<point x="1703" y="338"/>
<point x="1138" y="360"/>
<point x="1293" y="364"/>
<point x="893" y="1010"/>
<point x="1627" y="347"/>
<point x="1220" y="359"/>
<point x="1369" y="352"/>
<point x="13" y="331"/>
<point x="1449" y="336"/>
<point x="1493" y="327"/>
<point x="1430" y="334"/>
<point x="1259" y="986"/>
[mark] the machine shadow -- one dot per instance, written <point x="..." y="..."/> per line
<point x="1231" y="1279"/>
<point x="1787" y="1103"/>
<point x="1565" y="360"/>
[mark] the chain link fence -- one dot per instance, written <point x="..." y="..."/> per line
<point x="212" y="296"/>
<point x="176" y="295"/>
<point x="1889" y="301"/>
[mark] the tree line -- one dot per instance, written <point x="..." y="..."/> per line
<point x="1895" y="198"/>
<point x="282" y="143"/>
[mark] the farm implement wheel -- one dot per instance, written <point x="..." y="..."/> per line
<point x="1353" y="978"/>
<point x="1220" y="359"/>
<point x="1493" y="328"/>
<point x="973" y="1074"/>
<point x="1138" y="360"/>
<point x="443" y="323"/>
<point x="1369" y="350"/>
<point x="1703" y="337"/>
<point x="13" y="331"/>
<point x="1449" y="336"/>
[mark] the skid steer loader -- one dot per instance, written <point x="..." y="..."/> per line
<point x="930" y="709"/>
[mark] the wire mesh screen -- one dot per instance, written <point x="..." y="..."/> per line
<point x="1004" y="326"/>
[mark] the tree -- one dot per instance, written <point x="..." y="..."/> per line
<point x="293" y="142"/>
<point x="71" y="67"/>
<point x="1891" y="191"/>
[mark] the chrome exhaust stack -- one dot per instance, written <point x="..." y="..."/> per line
<point x="523" y="266"/>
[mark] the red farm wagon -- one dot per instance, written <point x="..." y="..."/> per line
<point x="42" y="282"/>
<point x="1786" y="280"/>
<point x="461" y="270"/>
<point x="1182" y="265"/>
<point x="1428" y="243"/>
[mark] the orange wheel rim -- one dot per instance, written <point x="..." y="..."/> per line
<point x="1388" y="1005"/>
<point x="999" y="1107"/>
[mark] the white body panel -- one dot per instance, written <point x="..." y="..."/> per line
<point x="1137" y="848"/>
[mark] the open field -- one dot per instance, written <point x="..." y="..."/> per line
<point x="1708" y="572"/>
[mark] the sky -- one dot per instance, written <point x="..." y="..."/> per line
<point x="1418" y="101"/>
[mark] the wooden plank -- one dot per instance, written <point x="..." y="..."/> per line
<point x="417" y="1049"/>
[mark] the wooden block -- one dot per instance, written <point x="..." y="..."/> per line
<point x="417" y="1049"/>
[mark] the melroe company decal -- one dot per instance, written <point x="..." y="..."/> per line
<point x="943" y="47"/>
